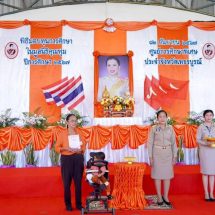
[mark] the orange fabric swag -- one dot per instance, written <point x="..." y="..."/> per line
<point x="16" y="138"/>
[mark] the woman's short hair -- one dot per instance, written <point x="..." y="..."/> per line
<point x="207" y="111"/>
<point x="161" y="111"/>
<point x="113" y="58"/>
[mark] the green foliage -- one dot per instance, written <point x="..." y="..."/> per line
<point x="8" y="158"/>
<point x="30" y="155"/>
<point x="6" y="120"/>
<point x="54" y="156"/>
<point x="180" y="152"/>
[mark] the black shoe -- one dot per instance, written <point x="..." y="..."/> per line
<point x="109" y="197"/>
<point x="159" y="203"/>
<point x="167" y="203"/>
<point x="212" y="199"/>
<point x="207" y="200"/>
<point x="79" y="208"/>
<point x="69" y="208"/>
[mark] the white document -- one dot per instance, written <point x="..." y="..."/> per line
<point x="74" y="141"/>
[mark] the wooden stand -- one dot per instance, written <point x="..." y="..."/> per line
<point x="123" y="113"/>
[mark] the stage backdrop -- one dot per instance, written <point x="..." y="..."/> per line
<point x="173" y="63"/>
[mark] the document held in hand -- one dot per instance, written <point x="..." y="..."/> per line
<point x="74" y="142"/>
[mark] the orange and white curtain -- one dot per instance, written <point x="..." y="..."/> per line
<point x="24" y="70"/>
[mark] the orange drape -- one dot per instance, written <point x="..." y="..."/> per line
<point x="120" y="136"/>
<point x="188" y="133"/>
<point x="95" y="25"/>
<point x="19" y="138"/>
<point x="4" y="136"/>
<point x="138" y="136"/>
<point x="15" y="138"/>
<point x="41" y="75"/>
<point x="99" y="137"/>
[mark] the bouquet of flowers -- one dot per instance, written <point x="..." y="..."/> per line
<point x="35" y="120"/>
<point x="195" y="118"/>
<point x="81" y="120"/>
<point x="6" y="120"/>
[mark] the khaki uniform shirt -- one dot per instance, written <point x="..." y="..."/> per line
<point x="162" y="138"/>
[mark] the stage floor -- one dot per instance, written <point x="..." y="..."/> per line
<point x="183" y="204"/>
<point x="39" y="191"/>
<point x="46" y="182"/>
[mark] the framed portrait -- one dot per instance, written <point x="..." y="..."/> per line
<point x="112" y="74"/>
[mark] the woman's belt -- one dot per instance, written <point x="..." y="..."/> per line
<point x="162" y="147"/>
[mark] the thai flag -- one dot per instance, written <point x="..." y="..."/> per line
<point x="60" y="89"/>
<point x="48" y="90"/>
<point x="72" y="95"/>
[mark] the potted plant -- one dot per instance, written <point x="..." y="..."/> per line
<point x="54" y="156"/>
<point x="31" y="160"/>
<point x="180" y="152"/>
<point x="8" y="159"/>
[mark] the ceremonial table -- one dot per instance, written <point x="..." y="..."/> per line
<point x="128" y="190"/>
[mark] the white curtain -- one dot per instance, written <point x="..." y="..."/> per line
<point x="112" y="156"/>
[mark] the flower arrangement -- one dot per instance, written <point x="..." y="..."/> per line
<point x="6" y="120"/>
<point x="35" y="120"/>
<point x="81" y="120"/>
<point x="195" y="118"/>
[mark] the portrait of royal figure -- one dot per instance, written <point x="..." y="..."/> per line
<point x="113" y="74"/>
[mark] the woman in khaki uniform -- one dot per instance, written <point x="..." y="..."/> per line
<point x="162" y="151"/>
<point x="207" y="153"/>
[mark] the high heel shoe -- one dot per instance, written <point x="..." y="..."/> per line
<point x="212" y="199"/>
<point x="207" y="198"/>
<point x="159" y="203"/>
<point x="166" y="202"/>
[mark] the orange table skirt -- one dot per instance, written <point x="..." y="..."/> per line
<point x="128" y="192"/>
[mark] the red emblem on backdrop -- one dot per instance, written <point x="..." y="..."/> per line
<point x="11" y="50"/>
<point x="208" y="51"/>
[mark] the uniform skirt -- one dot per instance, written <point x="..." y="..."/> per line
<point x="207" y="160"/>
<point x="162" y="163"/>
